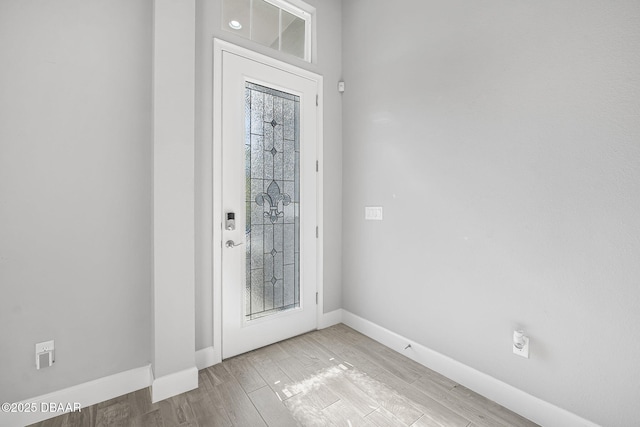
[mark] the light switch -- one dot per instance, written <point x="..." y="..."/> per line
<point x="373" y="213"/>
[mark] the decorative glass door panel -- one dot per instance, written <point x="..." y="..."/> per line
<point x="268" y="201"/>
<point x="272" y="173"/>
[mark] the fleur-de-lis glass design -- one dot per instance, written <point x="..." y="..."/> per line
<point x="272" y="189"/>
<point x="273" y="197"/>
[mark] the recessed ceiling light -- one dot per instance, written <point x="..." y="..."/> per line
<point x="235" y="25"/>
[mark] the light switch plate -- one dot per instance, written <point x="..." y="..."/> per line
<point x="373" y="213"/>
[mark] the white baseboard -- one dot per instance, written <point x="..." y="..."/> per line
<point x="329" y="319"/>
<point x="174" y="384"/>
<point x="85" y="394"/>
<point x="531" y="407"/>
<point x="205" y="358"/>
<point x="92" y="392"/>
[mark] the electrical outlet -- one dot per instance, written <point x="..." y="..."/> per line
<point x="520" y="344"/>
<point x="45" y="355"/>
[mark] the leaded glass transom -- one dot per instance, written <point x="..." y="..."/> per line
<point x="272" y="173"/>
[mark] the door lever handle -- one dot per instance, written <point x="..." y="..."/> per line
<point x="232" y="244"/>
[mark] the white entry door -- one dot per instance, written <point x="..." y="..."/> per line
<point x="269" y="204"/>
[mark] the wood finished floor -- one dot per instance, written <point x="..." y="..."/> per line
<point x="332" y="377"/>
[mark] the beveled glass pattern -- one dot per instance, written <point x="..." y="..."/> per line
<point x="272" y="177"/>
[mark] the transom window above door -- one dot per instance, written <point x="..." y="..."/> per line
<point x="278" y="24"/>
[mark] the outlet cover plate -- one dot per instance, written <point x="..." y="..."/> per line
<point x="524" y="351"/>
<point x="45" y="354"/>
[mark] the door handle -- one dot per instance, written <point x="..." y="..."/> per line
<point x="232" y="244"/>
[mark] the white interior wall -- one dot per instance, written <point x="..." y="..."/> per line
<point x="502" y="140"/>
<point x="75" y="191"/>
<point x="507" y="130"/>
<point x="96" y="60"/>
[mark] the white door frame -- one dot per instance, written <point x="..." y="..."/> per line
<point x="220" y="46"/>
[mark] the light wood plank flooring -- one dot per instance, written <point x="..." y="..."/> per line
<point x="332" y="377"/>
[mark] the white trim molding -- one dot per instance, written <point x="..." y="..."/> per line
<point x="329" y="319"/>
<point x="85" y="394"/>
<point x="531" y="407"/>
<point x="206" y="357"/>
<point x="174" y="384"/>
